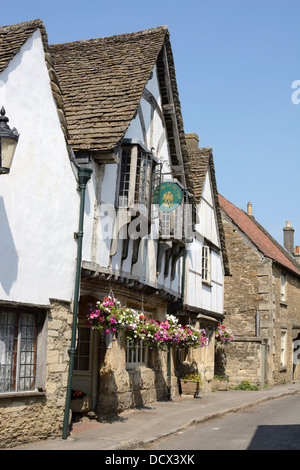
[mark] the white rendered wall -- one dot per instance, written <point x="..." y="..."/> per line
<point x="206" y="210"/>
<point x="198" y="294"/>
<point x="102" y="191"/>
<point x="39" y="204"/>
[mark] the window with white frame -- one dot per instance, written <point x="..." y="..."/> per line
<point x="136" y="354"/>
<point x="283" y="348"/>
<point x="19" y="351"/>
<point x="283" y="288"/>
<point x="135" y="178"/>
<point x="206" y="272"/>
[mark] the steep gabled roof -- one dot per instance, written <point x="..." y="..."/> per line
<point x="102" y="81"/>
<point x="201" y="161"/>
<point x="263" y="241"/>
<point x="14" y="36"/>
<point x="97" y="85"/>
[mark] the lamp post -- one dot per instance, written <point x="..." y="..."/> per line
<point x="8" y="143"/>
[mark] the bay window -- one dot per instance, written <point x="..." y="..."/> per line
<point x="135" y="178"/>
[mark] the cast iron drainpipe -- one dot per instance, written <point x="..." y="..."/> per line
<point x="170" y="311"/>
<point x="84" y="175"/>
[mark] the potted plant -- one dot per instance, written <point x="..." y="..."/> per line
<point x="190" y="384"/>
<point x="80" y="402"/>
<point x="221" y="382"/>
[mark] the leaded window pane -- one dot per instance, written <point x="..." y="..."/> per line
<point x="18" y="336"/>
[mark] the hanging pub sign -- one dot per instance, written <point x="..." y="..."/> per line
<point x="167" y="196"/>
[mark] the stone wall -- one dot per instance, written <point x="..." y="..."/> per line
<point x="242" y="361"/>
<point x="241" y="287"/>
<point x="201" y="360"/>
<point x="121" y="388"/>
<point x="30" y="416"/>
<point x="287" y="319"/>
<point x="255" y="313"/>
<point x="246" y="292"/>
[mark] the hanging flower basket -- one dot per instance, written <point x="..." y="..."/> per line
<point x="106" y="316"/>
<point x="223" y="335"/>
<point x="109" y="316"/>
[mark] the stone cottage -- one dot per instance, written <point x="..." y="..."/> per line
<point x="262" y="298"/>
<point x="99" y="202"/>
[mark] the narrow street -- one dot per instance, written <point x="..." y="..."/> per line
<point x="272" y="426"/>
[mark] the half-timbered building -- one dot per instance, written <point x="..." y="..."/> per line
<point x="108" y="106"/>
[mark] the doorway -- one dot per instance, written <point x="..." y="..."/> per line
<point x="86" y="361"/>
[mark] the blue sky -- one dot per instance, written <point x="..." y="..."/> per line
<point x="236" y="61"/>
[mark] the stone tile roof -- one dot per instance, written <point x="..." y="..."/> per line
<point x="263" y="241"/>
<point x="200" y="161"/>
<point x="102" y="81"/>
<point x="14" y="36"/>
<point x="97" y="84"/>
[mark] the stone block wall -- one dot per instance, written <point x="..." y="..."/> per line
<point x="30" y="416"/>
<point x="243" y="361"/>
<point x="241" y="287"/>
<point x="248" y="290"/>
<point x="122" y="388"/>
<point x="255" y="311"/>
<point x="287" y="319"/>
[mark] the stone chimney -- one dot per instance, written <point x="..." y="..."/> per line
<point x="192" y="141"/>
<point x="249" y="208"/>
<point x="297" y="254"/>
<point x="288" y="237"/>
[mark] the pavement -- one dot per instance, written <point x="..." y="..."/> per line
<point x="139" y="427"/>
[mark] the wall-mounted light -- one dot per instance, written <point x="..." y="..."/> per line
<point x="8" y="143"/>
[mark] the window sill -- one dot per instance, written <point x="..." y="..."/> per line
<point x="207" y="284"/>
<point x="283" y="369"/>
<point x="283" y="303"/>
<point x="33" y="393"/>
<point x="136" y="366"/>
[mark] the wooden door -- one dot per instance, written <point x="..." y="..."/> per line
<point x="85" y="364"/>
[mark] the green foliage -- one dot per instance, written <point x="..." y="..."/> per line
<point x="196" y="377"/>
<point x="221" y="378"/>
<point x="246" y="385"/>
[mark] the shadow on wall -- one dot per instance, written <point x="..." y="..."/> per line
<point x="122" y="389"/>
<point x="8" y="254"/>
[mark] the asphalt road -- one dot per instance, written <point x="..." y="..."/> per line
<point x="274" y="425"/>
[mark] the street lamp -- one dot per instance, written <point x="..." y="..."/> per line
<point x="8" y="143"/>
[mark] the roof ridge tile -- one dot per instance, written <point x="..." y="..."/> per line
<point x="258" y="235"/>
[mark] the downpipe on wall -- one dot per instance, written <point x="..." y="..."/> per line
<point x="171" y="310"/>
<point x="84" y="175"/>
